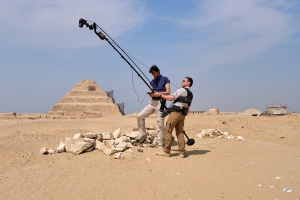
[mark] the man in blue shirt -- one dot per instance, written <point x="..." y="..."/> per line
<point x="160" y="84"/>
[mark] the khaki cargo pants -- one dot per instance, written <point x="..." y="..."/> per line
<point x="152" y="107"/>
<point x="176" y="119"/>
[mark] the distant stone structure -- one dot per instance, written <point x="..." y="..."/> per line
<point x="276" y="110"/>
<point x="213" y="111"/>
<point x="196" y="111"/>
<point x="87" y="99"/>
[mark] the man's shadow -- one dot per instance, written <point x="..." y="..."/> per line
<point x="192" y="152"/>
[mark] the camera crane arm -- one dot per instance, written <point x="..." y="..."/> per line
<point x="102" y="36"/>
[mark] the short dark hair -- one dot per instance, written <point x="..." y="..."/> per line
<point x="189" y="79"/>
<point x="154" y="68"/>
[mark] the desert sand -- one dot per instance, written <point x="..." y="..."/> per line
<point x="258" y="167"/>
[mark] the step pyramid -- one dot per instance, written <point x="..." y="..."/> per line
<point x="87" y="97"/>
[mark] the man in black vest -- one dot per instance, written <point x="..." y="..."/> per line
<point x="182" y="101"/>
<point x="161" y="85"/>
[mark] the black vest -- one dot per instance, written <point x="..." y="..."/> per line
<point x="188" y="99"/>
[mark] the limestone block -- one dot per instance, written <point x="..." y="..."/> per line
<point x="89" y="140"/>
<point x="121" y="147"/>
<point x="116" y="142"/>
<point x="108" y="151"/>
<point x="128" y="154"/>
<point x="77" y="136"/>
<point x="99" y="137"/>
<point x="77" y="146"/>
<point x="91" y="148"/>
<point x="43" y="150"/>
<point x="107" y="136"/>
<point x="128" y="151"/>
<point x="52" y="151"/>
<point x="117" y="133"/>
<point x="152" y="133"/>
<point x="61" y="147"/>
<point x="123" y="139"/>
<point x="118" y="155"/>
<point x="134" y="134"/>
<point x="129" y="145"/>
<point x="127" y="139"/>
<point x="203" y="133"/>
<point x="90" y="135"/>
<point x="109" y="143"/>
<point x="100" y="145"/>
<point x="155" y="141"/>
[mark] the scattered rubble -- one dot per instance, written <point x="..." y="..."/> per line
<point x="212" y="133"/>
<point x="116" y="144"/>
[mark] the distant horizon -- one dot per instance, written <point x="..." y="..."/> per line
<point x="138" y="112"/>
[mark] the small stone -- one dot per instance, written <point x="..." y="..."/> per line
<point x="240" y="138"/>
<point x="52" y="151"/>
<point x="61" y="147"/>
<point x="43" y="151"/>
<point x="140" y="150"/>
<point x="118" y="155"/>
<point x="77" y="136"/>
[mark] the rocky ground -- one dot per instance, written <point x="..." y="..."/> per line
<point x="259" y="167"/>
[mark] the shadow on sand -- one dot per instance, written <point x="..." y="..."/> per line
<point x="191" y="152"/>
<point x="188" y="153"/>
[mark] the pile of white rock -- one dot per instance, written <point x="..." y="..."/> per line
<point x="116" y="144"/>
<point x="212" y="133"/>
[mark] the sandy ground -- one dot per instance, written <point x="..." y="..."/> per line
<point x="213" y="169"/>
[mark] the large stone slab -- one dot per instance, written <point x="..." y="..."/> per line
<point x="77" y="146"/>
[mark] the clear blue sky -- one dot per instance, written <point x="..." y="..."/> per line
<point x="241" y="54"/>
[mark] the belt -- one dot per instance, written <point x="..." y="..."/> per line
<point x="155" y="98"/>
